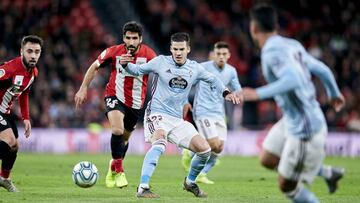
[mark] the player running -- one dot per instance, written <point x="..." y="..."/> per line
<point x="164" y="114"/>
<point x="124" y="96"/>
<point x="16" y="77"/>
<point x="295" y="144"/>
<point x="209" y="110"/>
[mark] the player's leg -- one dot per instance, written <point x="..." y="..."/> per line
<point x="158" y="142"/>
<point x="186" y="136"/>
<point x="273" y="146"/>
<point x="331" y="176"/>
<point x="8" y="151"/>
<point x="216" y="133"/>
<point x="300" y="162"/>
<point x="155" y="132"/>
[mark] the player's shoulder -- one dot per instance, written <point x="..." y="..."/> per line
<point x="35" y="72"/>
<point x="147" y="51"/>
<point x="207" y="63"/>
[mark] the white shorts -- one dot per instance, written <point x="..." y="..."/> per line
<point x="299" y="160"/>
<point x="178" y="131"/>
<point x="210" y="128"/>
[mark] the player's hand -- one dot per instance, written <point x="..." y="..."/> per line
<point x="233" y="98"/>
<point x="80" y="97"/>
<point x="27" y="126"/>
<point x="126" y="58"/>
<point x="240" y="96"/>
<point x="250" y="94"/>
<point x="338" y="103"/>
<point x="186" y="109"/>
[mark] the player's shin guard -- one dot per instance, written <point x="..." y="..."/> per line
<point x="150" y="161"/>
<point x="4" y="149"/>
<point x="210" y="163"/>
<point x="197" y="164"/>
<point x="302" y="195"/>
<point x="8" y="163"/>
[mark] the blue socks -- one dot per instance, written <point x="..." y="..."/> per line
<point x="302" y="195"/>
<point x="150" y="161"/>
<point x="210" y="163"/>
<point x="197" y="164"/>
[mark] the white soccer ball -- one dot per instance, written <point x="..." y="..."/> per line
<point x="85" y="174"/>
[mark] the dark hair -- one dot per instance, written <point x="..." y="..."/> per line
<point x="221" y="44"/>
<point x="133" y="26"/>
<point x="181" y="37"/>
<point x="265" y="17"/>
<point x="33" y="39"/>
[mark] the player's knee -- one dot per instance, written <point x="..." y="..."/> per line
<point x="157" y="135"/>
<point x="286" y="185"/>
<point x="117" y="130"/>
<point x="268" y="161"/>
<point x="217" y="148"/>
<point x="15" y="147"/>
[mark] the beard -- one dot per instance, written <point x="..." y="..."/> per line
<point x="29" y="64"/>
<point x="132" y="49"/>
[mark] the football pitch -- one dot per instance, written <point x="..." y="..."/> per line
<point x="47" y="178"/>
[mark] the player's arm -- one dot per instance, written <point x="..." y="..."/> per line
<point x="323" y="72"/>
<point x="24" y="106"/>
<point x="80" y="96"/>
<point x="135" y="69"/>
<point x="288" y="80"/>
<point x="215" y="82"/>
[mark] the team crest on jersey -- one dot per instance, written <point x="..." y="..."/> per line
<point x="178" y="84"/>
<point x="2" y="73"/>
<point x="141" y="60"/>
<point x="18" y="80"/>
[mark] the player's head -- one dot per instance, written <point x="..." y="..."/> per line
<point x="31" y="50"/>
<point x="263" y="20"/>
<point x="132" y="36"/>
<point x="180" y="47"/>
<point x="221" y="53"/>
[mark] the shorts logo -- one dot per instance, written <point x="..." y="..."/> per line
<point x="2" y="73"/>
<point x="111" y="103"/>
<point x="178" y="84"/>
<point x="2" y="121"/>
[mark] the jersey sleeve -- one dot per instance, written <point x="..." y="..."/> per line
<point x="211" y="79"/>
<point x="105" y="57"/>
<point x="146" y="68"/>
<point x="6" y="72"/>
<point x="234" y="82"/>
<point x="278" y="63"/>
<point x="320" y="70"/>
<point x="24" y="104"/>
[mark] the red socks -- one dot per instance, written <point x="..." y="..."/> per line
<point x="5" y="173"/>
<point x="116" y="165"/>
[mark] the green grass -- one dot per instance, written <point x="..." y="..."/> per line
<point x="47" y="178"/>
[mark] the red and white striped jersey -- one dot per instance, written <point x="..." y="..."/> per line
<point x="129" y="89"/>
<point x="15" y="81"/>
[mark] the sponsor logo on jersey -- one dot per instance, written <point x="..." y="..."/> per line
<point x="2" y="73"/>
<point x="178" y="84"/>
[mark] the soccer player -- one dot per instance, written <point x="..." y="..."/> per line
<point x="124" y="96"/>
<point x="209" y="112"/>
<point x="16" y="77"/>
<point x="164" y="122"/>
<point x="295" y="144"/>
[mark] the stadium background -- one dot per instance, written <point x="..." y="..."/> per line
<point x="75" y="32"/>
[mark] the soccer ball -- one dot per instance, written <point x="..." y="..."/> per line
<point x="85" y="174"/>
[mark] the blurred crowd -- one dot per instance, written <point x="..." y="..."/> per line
<point x="74" y="36"/>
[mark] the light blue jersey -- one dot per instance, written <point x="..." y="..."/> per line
<point x="172" y="83"/>
<point x="208" y="103"/>
<point x="287" y="67"/>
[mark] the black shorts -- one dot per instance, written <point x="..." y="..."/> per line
<point x="131" y="116"/>
<point x="8" y="121"/>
